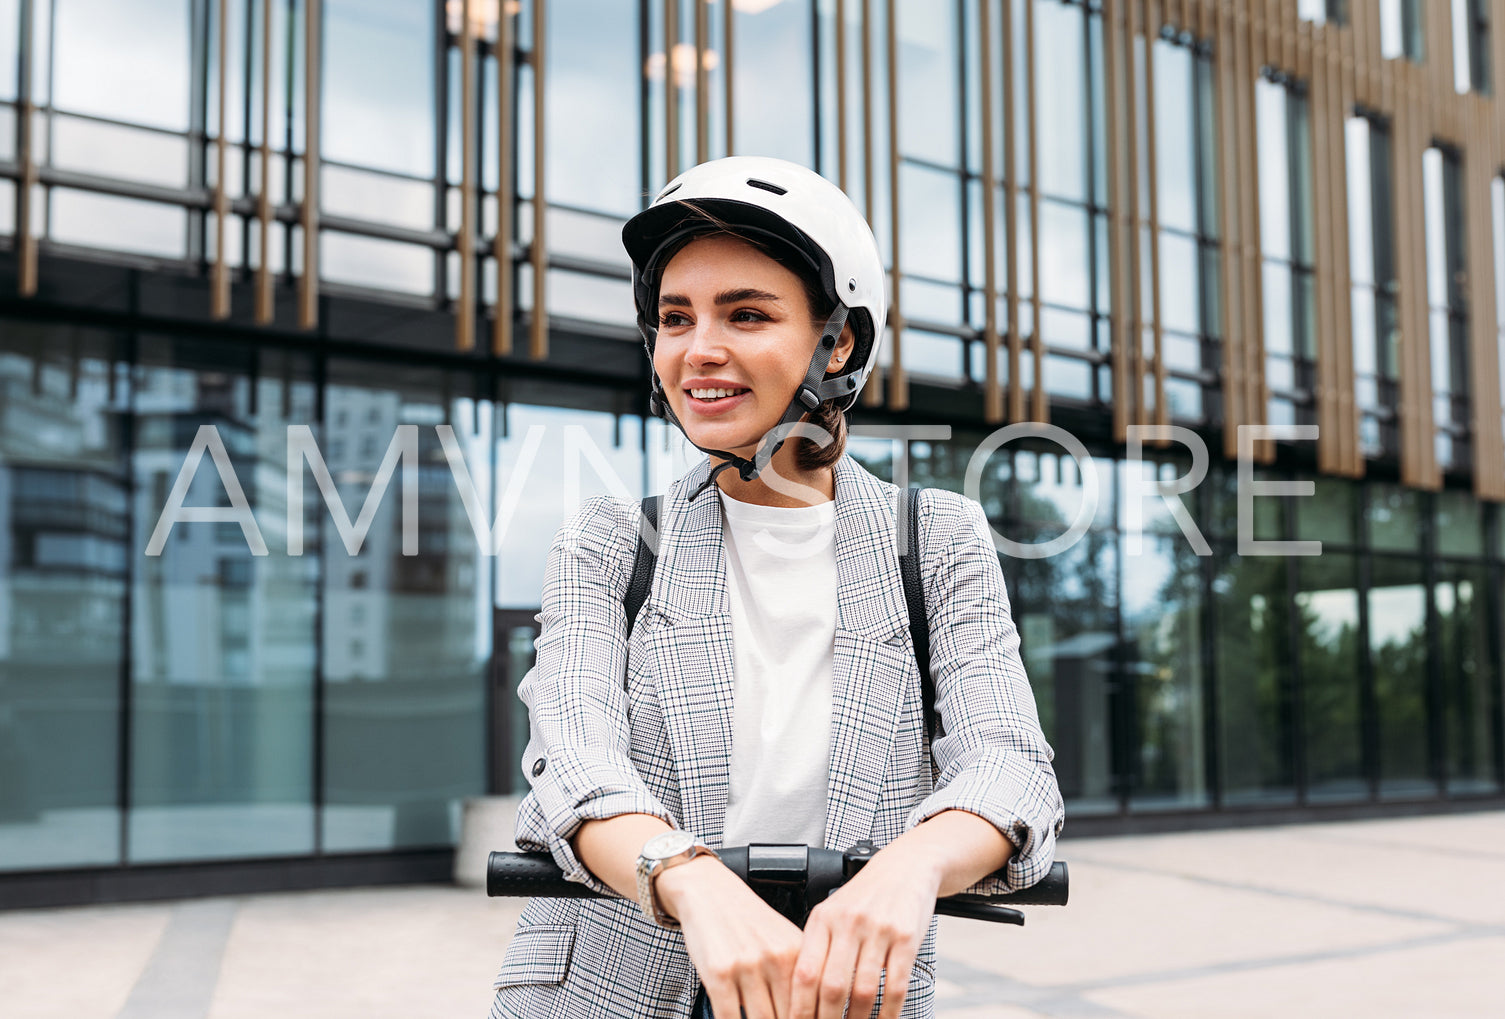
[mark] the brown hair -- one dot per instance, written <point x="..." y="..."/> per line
<point x="809" y="455"/>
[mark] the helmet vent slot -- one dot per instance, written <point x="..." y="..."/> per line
<point x="669" y="191"/>
<point x="764" y="185"/>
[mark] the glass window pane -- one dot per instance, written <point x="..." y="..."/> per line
<point x="10" y="50"/>
<point x="1468" y="678"/>
<point x="1327" y="612"/>
<point x="119" y="224"/>
<point x="1398" y="656"/>
<point x="1255" y="735"/>
<point x="1064" y="262"/>
<point x="223" y="641"/>
<point x="1064" y="609"/>
<point x="1175" y="139"/>
<point x="928" y="81"/>
<point x="1274" y="170"/>
<point x="1179" y="286"/>
<point x="931" y="225"/>
<point x="378" y="84"/>
<point x="63" y="517"/>
<point x="1394" y="518"/>
<point x="1328" y="515"/>
<point x="1460" y="531"/>
<point x="407" y="635"/>
<point x="124" y="59"/>
<point x="1061" y="99"/>
<point x="594" y="126"/>
<point x="1162" y="618"/>
<point x="774" y="83"/>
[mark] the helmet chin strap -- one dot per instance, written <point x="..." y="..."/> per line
<point x="807" y="397"/>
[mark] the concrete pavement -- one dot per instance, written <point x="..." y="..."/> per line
<point x="1401" y="918"/>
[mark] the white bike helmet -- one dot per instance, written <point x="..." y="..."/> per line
<point x="769" y="200"/>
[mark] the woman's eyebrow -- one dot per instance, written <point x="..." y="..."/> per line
<point x="725" y="297"/>
<point x="745" y="294"/>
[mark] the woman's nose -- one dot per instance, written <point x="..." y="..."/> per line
<point x="706" y="343"/>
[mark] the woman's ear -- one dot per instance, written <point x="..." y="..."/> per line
<point x="843" y="352"/>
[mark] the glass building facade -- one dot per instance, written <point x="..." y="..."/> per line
<point x="342" y="282"/>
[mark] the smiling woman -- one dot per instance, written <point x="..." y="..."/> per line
<point x="764" y="693"/>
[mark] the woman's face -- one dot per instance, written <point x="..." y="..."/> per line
<point x="735" y="336"/>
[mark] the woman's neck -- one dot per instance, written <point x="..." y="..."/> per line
<point x="790" y="486"/>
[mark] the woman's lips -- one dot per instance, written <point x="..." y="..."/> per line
<point x="713" y="408"/>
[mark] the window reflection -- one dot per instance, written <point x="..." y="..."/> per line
<point x="1468" y="678"/>
<point x="774" y="82"/>
<point x="1162" y="610"/>
<point x="378" y="84"/>
<point x="1327" y="619"/>
<point x="407" y="637"/>
<point x="1255" y="727"/>
<point x="594" y="128"/>
<point x="63" y="521"/>
<point x="222" y="641"/>
<point x="125" y="60"/>
<point x="1061" y="99"/>
<point x="1398" y="658"/>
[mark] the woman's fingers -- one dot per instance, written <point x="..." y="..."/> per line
<point x="804" y="985"/>
<point x="896" y="980"/>
<point x="836" y="975"/>
<point x="868" y="969"/>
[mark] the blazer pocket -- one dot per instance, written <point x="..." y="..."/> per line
<point x="537" y="955"/>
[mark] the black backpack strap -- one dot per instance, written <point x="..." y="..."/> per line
<point x="914" y="600"/>
<point x="643" y="562"/>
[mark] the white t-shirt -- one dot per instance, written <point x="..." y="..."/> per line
<point x="781" y="582"/>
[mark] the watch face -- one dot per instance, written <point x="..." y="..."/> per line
<point x="670" y="843"/>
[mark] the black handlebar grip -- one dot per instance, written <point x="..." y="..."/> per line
<point x="1051" y="890"/>
<point x="528" y="874"/>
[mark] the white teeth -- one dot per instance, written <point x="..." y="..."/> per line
<point x="714" y="394"/>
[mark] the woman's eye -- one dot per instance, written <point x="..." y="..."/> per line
<point x="748" y="315"/>
<point x="670" y="319"/>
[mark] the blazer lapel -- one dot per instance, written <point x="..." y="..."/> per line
<point x="691" y="644"/>
<point x="873" y="653"/>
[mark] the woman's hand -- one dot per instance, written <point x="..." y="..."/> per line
<point x="875" y="922"/>
<point x="742" y="948"/>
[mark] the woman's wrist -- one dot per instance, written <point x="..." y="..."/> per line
<point x="675" y="888"/>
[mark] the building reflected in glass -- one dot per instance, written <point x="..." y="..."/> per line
<point x="1206" y="221"/>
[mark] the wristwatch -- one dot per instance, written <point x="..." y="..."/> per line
<point x="665" y="850"/>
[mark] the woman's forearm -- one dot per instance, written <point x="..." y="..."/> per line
<point x="955" y="847"/>
<point x="609" y="849"/>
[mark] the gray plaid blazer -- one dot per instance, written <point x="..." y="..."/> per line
<point x="644" y="725"/>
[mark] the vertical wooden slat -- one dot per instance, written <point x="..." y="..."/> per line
<point x="1232" y="181"/>
<point x="992" y="390"/>
<point x="1011" y="215"/>
<point x="1327" y="354"/>
<point x="1039" y="404"/>
<point x="308" y="285"/>
<point x="1135" y="375"/>
<point x="1152" y="171"/>
<point x="1401" y="204"/>
<point x="702" y="82"/>
<point x="506" y="182"/>
<point x="671" y="87"/>
<point x="264" y="308"/>
<point x="1118" y="298"/>
<point x="538" y="339"/>
<point x="728" y="52"/>
<point x="1339" y="104"/>
<point x="219" y="271"/>
<point x="1256" y="396"/>
<point x="872" y="391"/>
<point x="898" y="381"/>
<point x="26" y="240"/>
<point x="465" y="311"/>
<point x="841" y="91"/>
<point x="1483" y="331"/>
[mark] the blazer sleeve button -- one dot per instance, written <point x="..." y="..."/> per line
<point x="538" y="767"/>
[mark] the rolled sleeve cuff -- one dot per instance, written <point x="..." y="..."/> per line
<point x="544" y="826"/>
<point x="1022" y="803"/>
